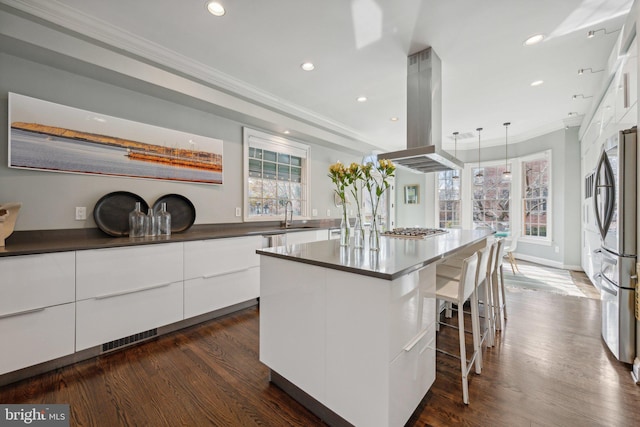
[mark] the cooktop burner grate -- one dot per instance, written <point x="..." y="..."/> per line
<point x="414" y="232"/>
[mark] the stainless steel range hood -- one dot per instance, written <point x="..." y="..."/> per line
<point x="424" y="117"/>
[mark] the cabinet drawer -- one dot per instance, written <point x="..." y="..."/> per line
<point x="104" y="319"/>
<point x="35" y="337"/>
<point x="207" y="258"/>
<point x="411" y="375"/>
<point x="205" y="295"/>
<point x="36" y="281"/>
<point x="107" y="271"/>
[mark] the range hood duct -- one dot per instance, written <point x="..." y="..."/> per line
<point x="424" y="117"/>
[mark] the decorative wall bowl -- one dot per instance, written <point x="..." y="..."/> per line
<point x="8" y="216"/>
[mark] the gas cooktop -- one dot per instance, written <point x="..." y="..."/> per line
<point x="414" y="232"/>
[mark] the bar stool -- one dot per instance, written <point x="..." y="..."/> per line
<point x="499" y="296"/>
<point x="457" y="292"/>
<point x="483" y="287"/>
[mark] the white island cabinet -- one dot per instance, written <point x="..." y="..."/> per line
<point x="37" y="309"/>
<point x="350" y="333"/>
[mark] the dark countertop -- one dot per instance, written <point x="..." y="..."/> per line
<point x="47" y="241"/>
<point x="396" y="257"/>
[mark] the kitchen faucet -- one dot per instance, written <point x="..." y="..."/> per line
<point x="288" y="207"/>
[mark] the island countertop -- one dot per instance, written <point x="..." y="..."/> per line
<point x="396" y="257"/>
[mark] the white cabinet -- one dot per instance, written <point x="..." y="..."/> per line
<point x="219" y="273"/>
<point x="297" y="237"/>
<point x="361" y="346"/>
<point x="124" y="291"/>
<point x="37" y="312"/>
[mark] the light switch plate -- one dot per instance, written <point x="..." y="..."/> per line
<point x="81" y="213"/>
<point x="238" y="212"/>
<point x="328" y="212"/>
<point x="314" y="212"/>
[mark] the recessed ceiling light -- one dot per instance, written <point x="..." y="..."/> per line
<point x="215" y="8"/>
<point x="286" y="132"/>
<point x="100" y="119"/>
<point x="307" y="66"/>
<point x="394" y="119"/>
<point x="361" y="99"/>
<point x="537" y="83"/>
<point x="534" y="39"/>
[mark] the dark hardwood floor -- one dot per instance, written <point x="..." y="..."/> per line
<point x="549" y="368"/>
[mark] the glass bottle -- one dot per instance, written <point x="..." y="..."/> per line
<point x="344" y="227"/>
<point x="374" y="235"/>
<point x="164" y="221"/>
<point x="358" y="233"/>
<point x="150" y="227"/>
<point x="136" y="222"/>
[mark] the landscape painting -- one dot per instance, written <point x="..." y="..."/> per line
<point x="53" y="137"/>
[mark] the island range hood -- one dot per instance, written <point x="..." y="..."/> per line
<point x="424" y="117"/>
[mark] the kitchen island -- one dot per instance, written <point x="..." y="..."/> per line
<point x="350" y="333"/>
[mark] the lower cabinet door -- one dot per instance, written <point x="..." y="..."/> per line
<point x="107" y="318"/>
<point x="36" y="336"/>
<point x="412" y="373"/>
<point x="203" y="295"/>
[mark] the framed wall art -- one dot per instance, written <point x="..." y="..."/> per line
<point x="54" y="137"/>
<point x="412" y="194"/>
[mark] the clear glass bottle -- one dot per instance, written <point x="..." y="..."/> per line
<point x="150" y="226"/>
<point x="344" y="228"/>
<point x="358" y="233"/>
<point x="136" y="222"/>
<point x="164" y="221"/>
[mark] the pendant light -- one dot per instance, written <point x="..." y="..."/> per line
<point x="506" y="175"/>
<point x="456" y="175"/>
<point x="479" y="178"/>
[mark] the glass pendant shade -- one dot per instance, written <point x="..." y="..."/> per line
<point x="479" y="178"/>
<point x="456" y="174"/>
<point x="506" y="175"/>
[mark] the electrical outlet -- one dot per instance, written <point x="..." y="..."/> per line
<point x="81" y="213"/>
<point x="314" y="212"/>
<point x="328" y="212"/>
<point x="557" y="249"/>
<point x="238" y="212"/>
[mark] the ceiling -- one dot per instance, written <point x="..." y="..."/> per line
<point x="359" y="48"/>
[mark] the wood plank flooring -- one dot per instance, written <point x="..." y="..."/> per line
<point x="549" y="368"/>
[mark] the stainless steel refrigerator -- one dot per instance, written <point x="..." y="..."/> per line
<point x="615" y="211"/>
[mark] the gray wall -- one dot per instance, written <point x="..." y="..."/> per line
<point x="49" y="198"/>
<point x="566" y="181"/>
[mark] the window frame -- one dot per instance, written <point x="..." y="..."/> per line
<point x="461" y="204"/>
<point x="548" y="239"/>
<point x="469" y="168"/>
<point x="281" y="145"/>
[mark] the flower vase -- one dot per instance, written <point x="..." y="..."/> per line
<point x="358" y="233"/>
<point x="344" y="227"/>
<point x="374" y="236"/>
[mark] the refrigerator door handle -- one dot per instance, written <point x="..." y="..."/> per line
<point x="605" y="286"/>
<point x="608" y="193"/>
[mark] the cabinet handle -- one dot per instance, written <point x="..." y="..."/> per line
<point x="415" y="340"/>
<point x="21" y="313"/>
<point x="133" y="291"/>
<point x="224" y="273"/>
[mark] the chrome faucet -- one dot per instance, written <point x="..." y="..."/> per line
<point x="288" y="208"/>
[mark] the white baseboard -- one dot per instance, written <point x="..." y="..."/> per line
<point x="548" y="262"/>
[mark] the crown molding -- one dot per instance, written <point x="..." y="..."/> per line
<point x="71" y="19"/>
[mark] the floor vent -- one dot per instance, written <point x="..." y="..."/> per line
<point x="122" y="342"/>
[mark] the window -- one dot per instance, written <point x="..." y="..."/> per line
<point x="449" y="199"/>
<point x="535" y="197"/>
<point x="490" y="198"/>
<point x="276" y="173"/>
